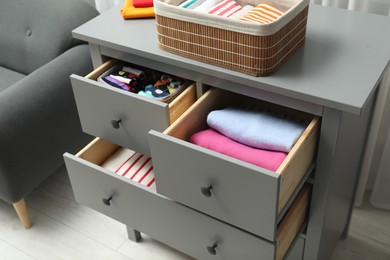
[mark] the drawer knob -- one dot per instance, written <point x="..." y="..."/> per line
<point x="107" y="201"/>
<point x="211" y="249"/>
<point x="115" y="123"/>
<point x="206" y="191"/>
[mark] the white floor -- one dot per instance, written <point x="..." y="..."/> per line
<point x="63" y="229"/>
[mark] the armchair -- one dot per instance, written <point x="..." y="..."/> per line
<point x="38" y="116"/>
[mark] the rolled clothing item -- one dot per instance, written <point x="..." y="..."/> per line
<point x="191" y="4"/>
<point x="226" y="8"/>
<point x="237" y="15"/>
<point x="259" y="129"/>
<point x="206" y="5"/>
<point x="116" y="83"/>
<point x="217" y="142"/>
<point x="263" y="14"/>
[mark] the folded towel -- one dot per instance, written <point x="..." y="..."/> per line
<point x="142" y="3"/>
<point x="241" y="12"/>
<point x="225" y="8"/>
<point x="258" y="129"/>
<point x="128" y="11"/>
<point x="191" y="4"/>
<point x="213" y="140"/>
<point x="206" y="5"/>
<point x="262" y="13"/>
<point x="132" y="165"/>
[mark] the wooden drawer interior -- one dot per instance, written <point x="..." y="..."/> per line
<point x="298" y="160"/>
<point x="176" y="106"/>
<point x="122" y="161"/>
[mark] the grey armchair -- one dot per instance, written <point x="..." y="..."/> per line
<point x="38" y="117"/>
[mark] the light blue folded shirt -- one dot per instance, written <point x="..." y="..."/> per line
<point x="258" y="129"/>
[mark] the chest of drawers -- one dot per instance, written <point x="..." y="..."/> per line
<point x="235" y="210"/>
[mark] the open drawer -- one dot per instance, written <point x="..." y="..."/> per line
<point x="122" y="117"/>
<point x="242" y="194"/>
<point x="174" y="224"/>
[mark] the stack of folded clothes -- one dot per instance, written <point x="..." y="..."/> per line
<point x="255" y="136"/>
<point x="143" y="81"/>
<point x="262" y="13"/>
<point x="134" y="9"/>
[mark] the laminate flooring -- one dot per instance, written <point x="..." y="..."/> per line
<point x="63" y="229"/>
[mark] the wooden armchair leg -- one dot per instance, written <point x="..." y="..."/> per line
<point x="21" y="210"/>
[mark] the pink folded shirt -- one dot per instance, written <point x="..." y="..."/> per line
<point x="217" y="142"/>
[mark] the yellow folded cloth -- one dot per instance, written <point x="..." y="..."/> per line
<point x="263" y="13"/>
<point x="128" y="11"/>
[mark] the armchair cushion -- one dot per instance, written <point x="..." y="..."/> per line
<point x="33" y="34"/>
<point x="39" y="122"/>
<point x="8" y="77"/>
<point x="38" y="115"/>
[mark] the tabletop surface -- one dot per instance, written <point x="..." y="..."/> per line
<point x="339" y="66"/>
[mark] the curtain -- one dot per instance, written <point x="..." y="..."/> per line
<point x="375" y="172"/>
<point x="104" y="5"/>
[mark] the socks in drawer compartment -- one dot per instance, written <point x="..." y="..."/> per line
<point x="143" y="81"/>
<point x="132" y="165"/>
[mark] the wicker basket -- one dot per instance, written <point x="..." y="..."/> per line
<point x="253" y="49"/>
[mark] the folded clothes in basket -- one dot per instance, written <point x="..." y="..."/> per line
<point x="241" y="12"/>
<point x="263" y="14"/>
<point x="191" y="4"/>
<point x="217" y="142"/>
<point x="259" y="129"/>
<point x="225" y="8"/>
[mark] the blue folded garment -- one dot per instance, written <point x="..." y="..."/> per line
<point x="259" y="129"/>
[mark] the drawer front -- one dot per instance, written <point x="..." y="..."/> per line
<point x="296" y="252"/>
<point x="172" y="223"/>
<point x="242" y="194"/>
<point x="98" y="106"/>
<point x="122" y="117"/>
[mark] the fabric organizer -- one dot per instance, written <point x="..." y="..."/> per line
<point x="166" y="99"/>
<point x="250" y="48"/>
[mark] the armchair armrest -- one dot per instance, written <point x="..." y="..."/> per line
<point x="39" y="122"/>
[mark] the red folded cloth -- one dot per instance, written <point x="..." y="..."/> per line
<point x="142" y="3"/>
<point x="217" y="142"/>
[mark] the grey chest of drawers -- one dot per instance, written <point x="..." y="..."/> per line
<point x="334" y="78"/>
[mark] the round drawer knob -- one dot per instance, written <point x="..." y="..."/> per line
<point x="206" y="191"/>
<point x="115" y="123"/>
<point x="107" y="201"/>
<point x="211" y="249"/>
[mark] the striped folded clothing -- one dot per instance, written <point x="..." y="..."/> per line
<point x="225" y="8"/>
<point x="191" y="4"/>
<point x="263" y="14"/>
<point x="132" y="165"/>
